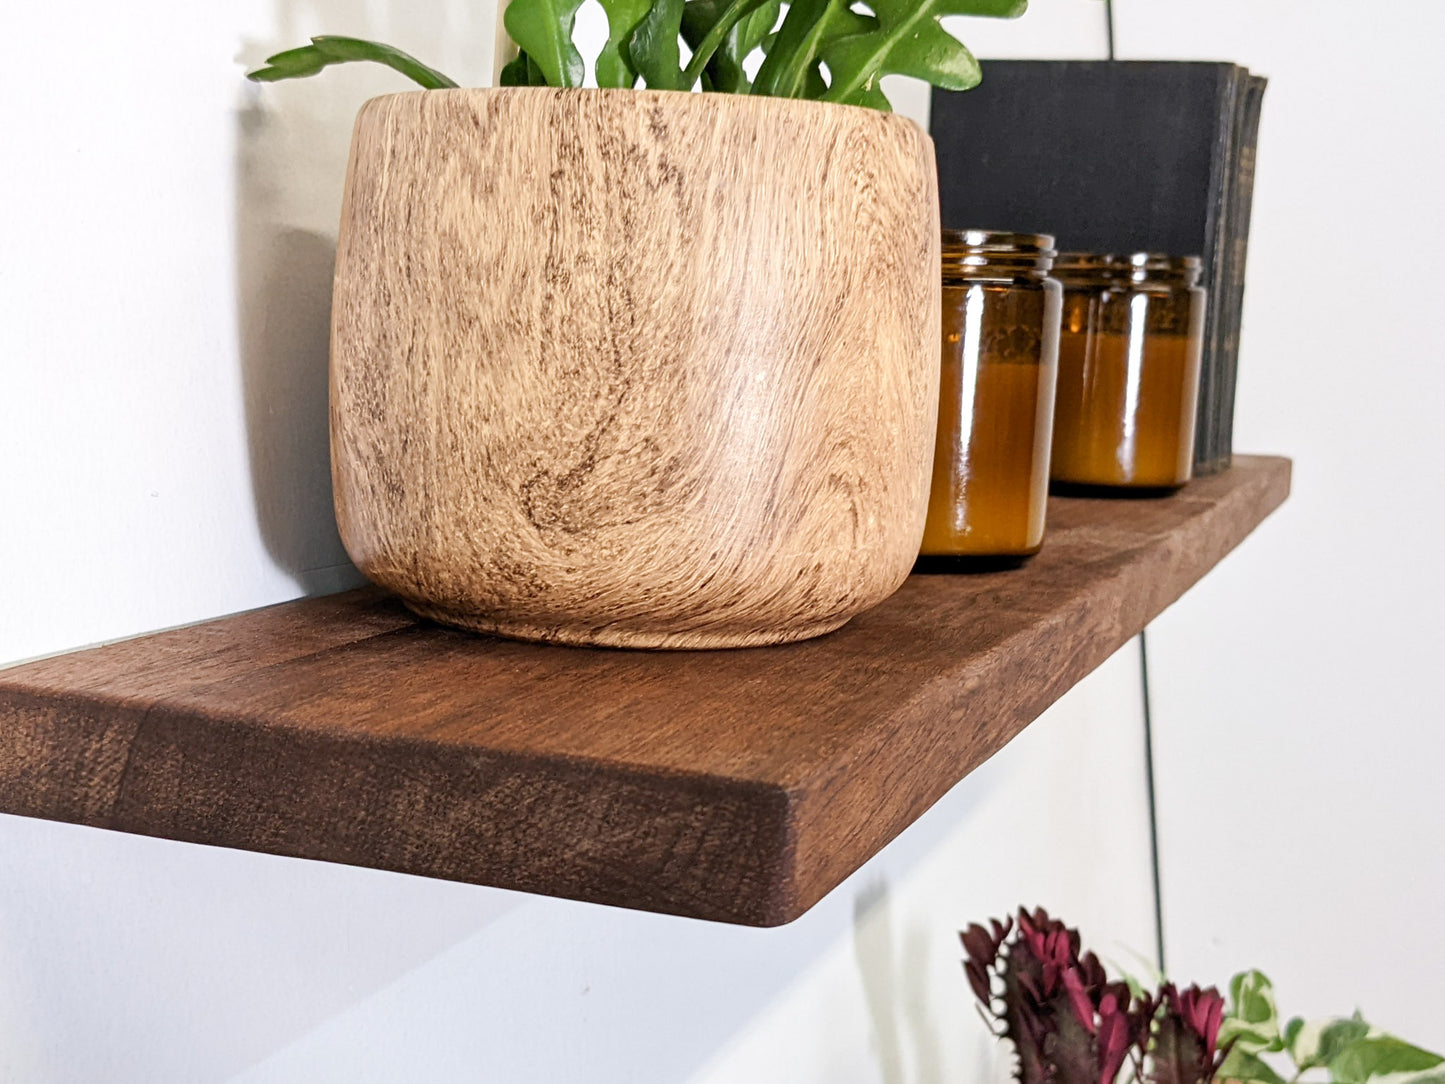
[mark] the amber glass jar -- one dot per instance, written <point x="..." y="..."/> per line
<point x="1000" y="350"/>
<point x="1129" y="350"/>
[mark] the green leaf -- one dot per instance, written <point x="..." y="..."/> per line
<point x="815" y="86"/>
<point x="1315" y="1043"/>
<point x="329" y="49"/>
<point x="1290" y="1034"/>
<point x="543" y="30"/>
<point x="652" y="46"/>
<point x="1251" y="996"/>
<point x="714" y="38"/>
<point x="1377" y="1055"/>
<point x="792" y="69"/>
<point x="1424" y="1076"/>
<point x="724" y="69"/>
<point x="522" y="71"/>
<point x="749" y="33"/>
<point x="909" y="40"/>
<point x="1252" y="1022"/>
<point x="514" y="72"/>
<point x="802" y="16"/>
<point x="1247" y="1069"/>
<point x="614" y="69"/>
<point x="870" y="98"/>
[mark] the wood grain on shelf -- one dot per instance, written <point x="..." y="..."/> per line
<point x="733" y="785"/>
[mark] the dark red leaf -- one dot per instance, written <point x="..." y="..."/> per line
<point x="978" y="979"/>
<point x="979" y="945"/>
<point x="1079" y="999"/>
<point x="1115" y="1036"/>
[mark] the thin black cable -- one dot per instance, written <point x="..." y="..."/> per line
<point x="1148" y="715"/>
<point x="1153" y="806"/>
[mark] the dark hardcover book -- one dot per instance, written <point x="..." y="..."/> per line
<point x="1210" y="457"/>
<point x="1239" y="216"/>
<point x="1109" y="157"/>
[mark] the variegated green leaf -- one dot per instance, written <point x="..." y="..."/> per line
<point x="1423" y="1076"/>
<point x="1315" y="1043"/>
<point x="1377" y="1056"/>
<point x="1252" y="1022"/>
<point x="1242" y="1068"/>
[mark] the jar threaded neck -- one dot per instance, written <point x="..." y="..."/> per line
<point x="976" y="253"/>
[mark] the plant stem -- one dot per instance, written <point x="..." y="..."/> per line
<point x="731" y="16"/>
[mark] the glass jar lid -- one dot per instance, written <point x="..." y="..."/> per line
<point x="977" y="252"/>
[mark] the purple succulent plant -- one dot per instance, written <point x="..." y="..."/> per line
<point x="1070" y="1025"/>
<point x="1067" y="1022"/>
<point x="1185" y="1049"/>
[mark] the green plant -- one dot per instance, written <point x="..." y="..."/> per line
<point x="1070" y="1025"/>
<point x="832" y="50"/>
<point x="1345" y="1050"/>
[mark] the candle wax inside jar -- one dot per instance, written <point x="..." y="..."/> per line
<point x="991" y="460"/>
<point x="1125" y="418"/>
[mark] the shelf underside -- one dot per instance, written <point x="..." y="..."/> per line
<point x="739" y="785"/>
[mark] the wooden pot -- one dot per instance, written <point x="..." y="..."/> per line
<point x="635" y="368"/>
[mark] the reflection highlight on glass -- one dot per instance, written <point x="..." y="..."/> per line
<point x="1000" y="344"/>
<point x="1129" y="356"/>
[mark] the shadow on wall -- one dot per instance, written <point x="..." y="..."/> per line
<point x="291" y="149"/>
<point x="283" y="277"/>
<point x="285" y="282"/>
<point x="896" y="991"/>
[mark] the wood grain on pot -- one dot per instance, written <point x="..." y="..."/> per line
<point x="635" y="368"/>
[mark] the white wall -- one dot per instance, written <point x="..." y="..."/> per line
<point x="1298" y="721"/>
<point x="165" y="253"/>
<point x="131" y="959"/>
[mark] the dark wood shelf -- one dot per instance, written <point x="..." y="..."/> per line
<point x="737" y="785"/>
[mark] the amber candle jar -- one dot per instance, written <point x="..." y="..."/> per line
<point x="1129" y="350"/>
<point x="1000" y="350"/>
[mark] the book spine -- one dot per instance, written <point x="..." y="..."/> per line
<point x="1240" y="214"/>
<point x="1209" y="455"/>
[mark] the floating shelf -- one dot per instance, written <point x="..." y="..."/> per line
<point x="740" y="786"/>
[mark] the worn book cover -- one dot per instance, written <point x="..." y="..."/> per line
<point x="1109" y="156"/>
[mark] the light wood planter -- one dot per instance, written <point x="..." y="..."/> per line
<point x="643" y="369"/>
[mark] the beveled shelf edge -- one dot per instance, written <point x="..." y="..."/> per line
<point x="1144" y="586"/>
<point x="757" y="847"/>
